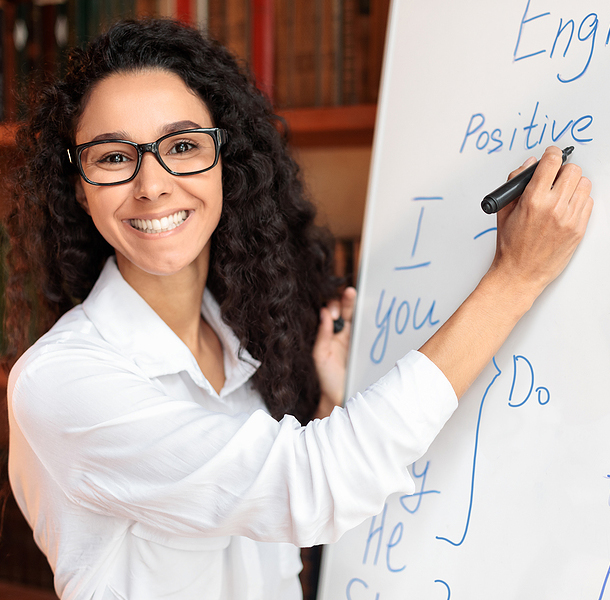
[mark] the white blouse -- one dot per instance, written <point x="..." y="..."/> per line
<point x="141" y="482"/>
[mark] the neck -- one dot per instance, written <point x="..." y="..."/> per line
<point x="175" y="298"/>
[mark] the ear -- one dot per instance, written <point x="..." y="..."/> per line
<point x="80" y="195"/>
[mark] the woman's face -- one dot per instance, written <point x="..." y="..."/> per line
<point x="142" y="107"/>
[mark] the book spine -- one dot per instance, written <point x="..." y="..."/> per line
<point x="262" y="36"/>
<point x="348" y="72"/>
<point x="284" y="60"/>
<point x="305" y="52"/>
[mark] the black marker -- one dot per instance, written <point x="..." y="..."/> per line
<point x="338" y="325"/>
<point x="513" y="188"/>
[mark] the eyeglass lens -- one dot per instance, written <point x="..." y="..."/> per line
<point x="112" y="162"/>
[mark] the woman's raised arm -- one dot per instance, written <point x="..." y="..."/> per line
<point x="537" y="236"/>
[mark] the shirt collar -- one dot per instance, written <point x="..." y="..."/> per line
<point x="127" y="322"/>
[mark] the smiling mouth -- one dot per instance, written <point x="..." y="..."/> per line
<point x="159" y="225"/>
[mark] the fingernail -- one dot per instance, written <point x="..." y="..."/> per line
<point x="335" y="312"/>
<point x="530" y="161"/>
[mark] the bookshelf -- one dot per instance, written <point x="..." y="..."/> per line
<point x="332" y="125"/>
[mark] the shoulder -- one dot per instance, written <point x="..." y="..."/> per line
<point x="50" y="376"/>
<point x="74" y="337"/>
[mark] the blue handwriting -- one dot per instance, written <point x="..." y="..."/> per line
<point x="394" y="540"/>
<point x="601" y="595"/>
<point x="390" y="320"/>
<point x="586" y="33"/>
<point x="492" y="140"/>
<point x="445" y="584"/>
<point x="422" y="492"/>
<point x="348" y="589"/>
<point x="544" y="395"/>
<point x="474" y="461"/>
<point x="417" y="233"/>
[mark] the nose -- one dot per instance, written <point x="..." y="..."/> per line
<point x="152" y="180"/>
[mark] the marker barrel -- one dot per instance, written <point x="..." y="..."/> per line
<point x="508" y="191"/>
<point x="514" y="187"/>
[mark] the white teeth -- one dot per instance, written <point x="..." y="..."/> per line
<point x="159" y="225"/>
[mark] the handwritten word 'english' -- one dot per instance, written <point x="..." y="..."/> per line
<point x="540" y="129"/>
<point x="532" y="26"/>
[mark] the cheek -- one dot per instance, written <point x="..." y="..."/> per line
<point x="101" y="208"/>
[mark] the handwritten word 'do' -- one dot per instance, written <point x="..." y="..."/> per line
<point x="534" y="25"/>
<point x="396" y="318"/>
<point x="538" y="130"/>
<point x="544" y="396"/>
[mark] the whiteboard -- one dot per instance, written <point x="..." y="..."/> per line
<point x="512" y="498"/>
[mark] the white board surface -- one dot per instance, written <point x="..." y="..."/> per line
<point x="513" y="496"/>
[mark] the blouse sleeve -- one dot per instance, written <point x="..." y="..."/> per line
<point x="117" y="445"/>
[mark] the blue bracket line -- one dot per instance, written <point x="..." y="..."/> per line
<point x="445" y="584"/>
<point x="604" y="586"/>
<point x="474" y="460"/>
<point x="484" y="232"/>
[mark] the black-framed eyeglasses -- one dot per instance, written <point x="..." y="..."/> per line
<point x="186" y="152"/>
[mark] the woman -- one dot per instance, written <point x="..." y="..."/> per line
<point x="144" y="449"/>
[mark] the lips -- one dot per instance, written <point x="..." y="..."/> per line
<point x="159" y="225"/>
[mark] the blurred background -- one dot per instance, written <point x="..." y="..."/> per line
<point x="318" y="61"/>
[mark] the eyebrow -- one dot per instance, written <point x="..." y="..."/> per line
<point x="169" y="128"/>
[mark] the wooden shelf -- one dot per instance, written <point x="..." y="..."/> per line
<point x="332" y="125"/>
<point x="324" y="126"/>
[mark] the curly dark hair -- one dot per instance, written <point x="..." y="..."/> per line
<point x="271" y="266"/>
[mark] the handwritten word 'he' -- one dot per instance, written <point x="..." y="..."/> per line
<point x="532" y="25"/>
<point x="395" y="319"/>
<point x="538" y="130"/>
<point x="377" y="531"/>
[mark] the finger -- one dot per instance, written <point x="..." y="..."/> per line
<point x="348" y="301"/>
<point x="567" y="182"/>
<point x="504" y="212"/>
<point x="334" y="306"/>
<point x="581" y="203"/>
<point x="325" y="329"/>
<point x="528" y="163"/>
<point x="546" y="172"/>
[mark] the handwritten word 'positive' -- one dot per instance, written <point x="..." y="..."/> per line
<point x="538" y="130"/>
<point x="395" y="319"/>
<point x="531" y="27"/>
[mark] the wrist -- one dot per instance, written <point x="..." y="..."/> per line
<point x="510" y="292"/>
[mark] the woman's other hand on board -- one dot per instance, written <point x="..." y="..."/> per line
<point x="538" y="234"/>
<point x="330" y="351"/>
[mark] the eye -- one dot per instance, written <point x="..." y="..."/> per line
<point x="113" y="158"/>
<point x="182" y="146"/>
